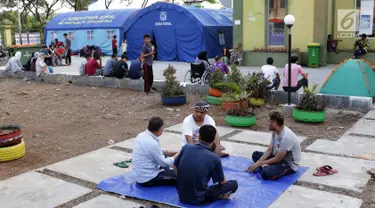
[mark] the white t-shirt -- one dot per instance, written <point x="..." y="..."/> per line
<point x="269" y="72"/>
<point x="190" y="128"/>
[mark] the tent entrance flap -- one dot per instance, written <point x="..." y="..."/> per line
<point x="165" y="38"/>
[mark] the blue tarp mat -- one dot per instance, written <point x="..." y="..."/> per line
<point x="253" y="191"/>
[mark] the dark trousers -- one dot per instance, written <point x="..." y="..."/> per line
<point x="301" y="83"/>
<point x="359" y="52"/>
<point x="68" y="57"/>
<point x="217" y="191"/>
<point x="273" y="172"/>
<point x="165" y="178"/>
<point x="148" y="77"/>
<point x="114" y="50"/>
<point x="275" y="84"/>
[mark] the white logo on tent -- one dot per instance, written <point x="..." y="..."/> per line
<point x="163" y="16"/>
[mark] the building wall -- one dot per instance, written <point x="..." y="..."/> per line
<point x="254" y="25"/>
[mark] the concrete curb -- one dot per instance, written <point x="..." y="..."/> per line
<point x="332" y="101"/>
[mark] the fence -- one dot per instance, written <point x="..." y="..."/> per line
<point x="27" y="38"/>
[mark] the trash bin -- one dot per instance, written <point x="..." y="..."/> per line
<point x="26" y="51"/>
<point x="313" y="55"/>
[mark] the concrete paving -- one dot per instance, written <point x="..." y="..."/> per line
<point x="256" y="137"/>
<point x="316" y="75"/>
<point x="37" y="190"/>
<point x="297" y="197"/>
<point x="363" y="126"/>
<point x="94" y="166"/>
<point x="347" y="146"/>
<point x="105" y="201"/>
<point x="222" y="131"/>
<point x="370" y="114"/>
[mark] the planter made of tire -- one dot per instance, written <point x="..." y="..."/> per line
<point x="240" y="121"/>
<point x="227" y="106"/>
<point x="10" y="141"/>
<point x="213" y="100"/>
<point x="13" y="152"/>
<point x="308" y="116"/>
<point x="181" y="100"/>
<point x="256" y="101"/>
<point x="10" y="135"/>
<point x="214" y="92"/>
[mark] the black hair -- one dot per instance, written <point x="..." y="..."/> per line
<point x="364" y="35"/>
<point x="329" y="36"/>
<point x="124" y="56"/>
<point x="65" y="34"/>
<point x="278" y="117"/>
<point x="114" y="55"/>
<point x="96" y="56"/>
<point x="217" y="58"/>
<point x="294" y="59"/>
<point x="146" y="36"/>
<point x="87" y="55"/>
<point x="44" y="46"/>
<point x="115" y="36"/>
<point x="269" y="60"/>
<point x="50" y="45"/>
<point x="155" y="124"/>
<point x="207" y="133"/>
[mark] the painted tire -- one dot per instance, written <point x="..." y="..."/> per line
<point x="14" y="132"/>
<point x="214" y="92"/>
<point x="256" y="101"/>
<point x="213" y="100"/>
<point x="240" y="121"/>
<point x="309" y="117"/>
<point x="227" y="106"/>
<point x="13" y="152"/>
<point x="173" y="100"/>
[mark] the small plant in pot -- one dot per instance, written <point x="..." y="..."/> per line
<point x="215" y="90"/>
<point x="172" y="93"/>
<point x="257" y="86"/>
<point x="240" y="117"/>
<point x="311" y="107"/>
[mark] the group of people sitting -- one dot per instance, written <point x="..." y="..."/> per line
<point x="36" y="63"/>
<point x="191" y="169"/>
<point x="361" y="46"/>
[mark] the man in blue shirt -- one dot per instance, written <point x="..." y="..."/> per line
<point x="196" y="165"/>
<point x="135" y="69"/>
<point x="108" y="67"/>
<point x="151" y="164"/>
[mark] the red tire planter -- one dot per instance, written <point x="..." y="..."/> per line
<point x="214" y="92"/>
<point x="227" y="106"/>
<point x="10" y="135"/>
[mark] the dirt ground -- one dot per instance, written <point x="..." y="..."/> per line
<point x="63" y="121"/>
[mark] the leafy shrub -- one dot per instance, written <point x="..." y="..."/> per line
<point x="240" y="113"/>
<point x="310" y="101"/>
<point x="172" y="85"/>
<point x="216" y="78"/>
<point x="257" y="85"/>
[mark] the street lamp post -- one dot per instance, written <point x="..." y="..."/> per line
<point x="289" y="22"/>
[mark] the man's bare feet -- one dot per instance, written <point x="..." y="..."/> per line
<point x="226" y="196"/>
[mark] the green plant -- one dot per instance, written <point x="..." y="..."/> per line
<point x="216" y="78"/>
<point x="172" y="86"/>
<point x="240" y="112"/>
<point x="231" y="97"/>
<point x="235" y="76"/>
<point x="310" y="101"/>
<point x="228" y="87"/>
<point x="257" y="85"/>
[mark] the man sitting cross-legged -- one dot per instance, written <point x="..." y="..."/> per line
<point x="283" y="153"/>
<point x="196" y="165"/>
<point x="192" y="123"/>
<point x="151" y="164"/>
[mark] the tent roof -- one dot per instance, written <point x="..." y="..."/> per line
<point x="91" y="19"/>
<point x="205" y="17"/>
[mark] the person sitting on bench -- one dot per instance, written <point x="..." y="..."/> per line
<point x="151" y="164"/>
<point x="192" y="123"/>
<point x="283" y="154"/>
<point x="196" y="165"/>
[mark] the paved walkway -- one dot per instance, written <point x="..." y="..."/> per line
<point x="73" y="181"/>
<point x="317" y="76"/>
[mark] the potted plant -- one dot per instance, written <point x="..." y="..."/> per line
<point x="172" y="93"/>
<point x="230" y="101"/>
<point x="240" y="118"/>
<point x="215" y="90"/>
<point x="257" y="87"/>
<point x="311" y="107"/>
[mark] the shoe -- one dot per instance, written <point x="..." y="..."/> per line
<point x="154" y="88"/>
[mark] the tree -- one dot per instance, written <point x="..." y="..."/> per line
<point x="107" y="3"/>
<point x="78" y="5"/>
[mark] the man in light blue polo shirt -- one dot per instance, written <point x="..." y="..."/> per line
<point x="108" y="67"/>
<point x="152" y="164"/>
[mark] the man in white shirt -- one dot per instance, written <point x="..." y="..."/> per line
<point x="192" y="124"/>
<point x="271" y="73"/>
<point x="151" y="163"/>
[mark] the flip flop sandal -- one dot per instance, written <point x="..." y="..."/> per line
<point x="223" y="155"/>
<point x="328" y="169"/>
<point x="320" y="173"/>
<point x="121" y="164"/>
<point x="128" y="161"/>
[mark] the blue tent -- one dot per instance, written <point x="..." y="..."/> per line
<point x="180" y="33"/>
<point x="90" y="28"/>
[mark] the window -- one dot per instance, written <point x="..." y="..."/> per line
<point x="365" y="17"/>
<point x="71" y="35"/>
<point x="110" y="34"/>
<point x="90" y="35"/>
<point x="222" y="38"/>
<point x="276" y="26"/>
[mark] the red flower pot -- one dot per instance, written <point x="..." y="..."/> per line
<point x="227" y="106"/>
<point x="214" y="92"/>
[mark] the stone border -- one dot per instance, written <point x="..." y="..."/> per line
<point x="332" y="101"/>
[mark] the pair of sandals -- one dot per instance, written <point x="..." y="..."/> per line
<point x="123" y="164"/>
<point x="325" y="171"/>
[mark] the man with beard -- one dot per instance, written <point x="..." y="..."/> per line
<point x="192" y="124"/>
<point x="283" y="154"/>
